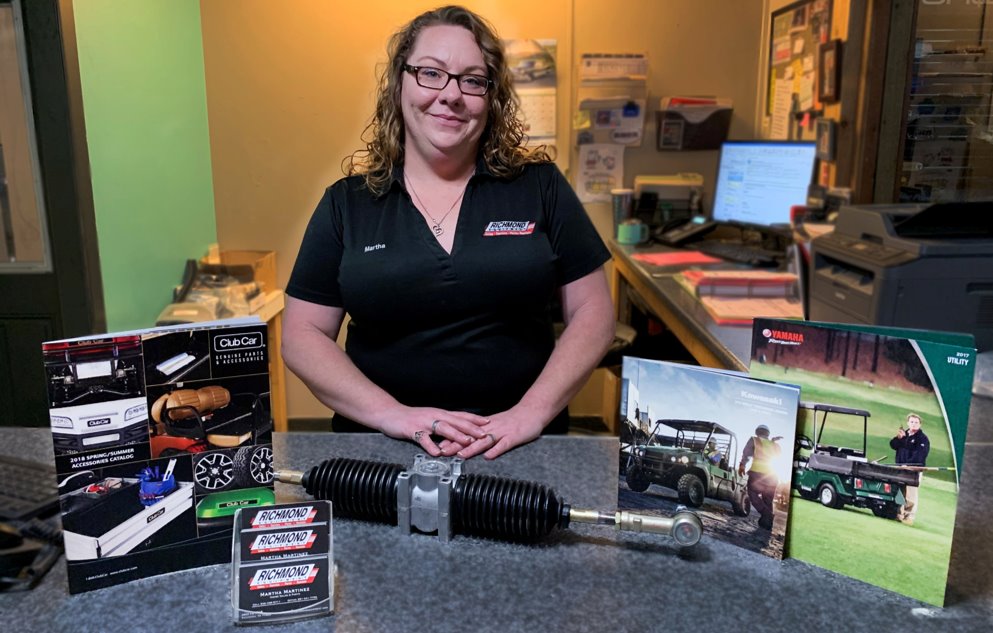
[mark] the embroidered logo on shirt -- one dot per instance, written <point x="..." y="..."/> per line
<point x="508" y="228"/>
<point x="374" y="247"/>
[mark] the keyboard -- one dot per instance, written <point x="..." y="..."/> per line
<point x="739" y="253"/>
<point x="27" y="489"/>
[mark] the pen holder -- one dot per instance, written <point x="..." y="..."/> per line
<point x="632" y="231"/>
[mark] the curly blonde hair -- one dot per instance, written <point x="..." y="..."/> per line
<point x="503" y="139"/>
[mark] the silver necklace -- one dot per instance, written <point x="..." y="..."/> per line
<point x="436" y="224"/>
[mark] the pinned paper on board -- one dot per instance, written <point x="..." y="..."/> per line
<point x="797" y="74"/>
<point x="782" y="106"/>
<point x="806" y="91"/>
<point x="781" y="50"/>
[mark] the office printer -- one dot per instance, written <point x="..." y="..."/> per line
<point x="915" y="266"/>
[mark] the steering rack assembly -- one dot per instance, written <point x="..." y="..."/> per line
<point x="434" y="496"/>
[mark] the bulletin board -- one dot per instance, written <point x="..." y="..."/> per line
<point x="796" y="34"/>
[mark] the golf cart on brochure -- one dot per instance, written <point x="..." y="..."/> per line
<point x="684" y="463"/>
<point x="194" y="421"/>
<point x="206" y="420"/>
<point x="95" y="391"/>
<point x="838" y="475"/>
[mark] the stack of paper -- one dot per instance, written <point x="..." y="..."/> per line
<point x="675" y="258"/>
<point x="735" y="297"/>
<point x="742" y="310"/>
<point x="738" y="283"/>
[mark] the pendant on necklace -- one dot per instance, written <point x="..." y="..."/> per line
<point x="437" y="230"/>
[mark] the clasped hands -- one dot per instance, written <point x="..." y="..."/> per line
<point x="444" y="433"/>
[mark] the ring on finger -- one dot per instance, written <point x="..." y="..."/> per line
<point x="418" y="435"/>
<point x="434" y="427"/>
<point x="492" y="437"/>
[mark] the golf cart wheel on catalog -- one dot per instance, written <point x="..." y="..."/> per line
<point x="254" y="465"/>
<point x="636" y="479"/>
<point x="691" y="490"/>
<point x="214" y="472"/>
<point x="828" y="496"/>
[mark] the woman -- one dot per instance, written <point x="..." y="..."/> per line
<point x="445" y="245"/>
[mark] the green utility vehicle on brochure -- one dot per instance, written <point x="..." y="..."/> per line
<point x="698" y="462"/>
<point x="838" y="475"/>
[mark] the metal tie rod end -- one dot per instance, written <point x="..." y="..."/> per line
<point x="289" y="477"/>
<point x="684" y="527"/>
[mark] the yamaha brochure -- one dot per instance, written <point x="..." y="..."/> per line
<point x="880" y="441"/>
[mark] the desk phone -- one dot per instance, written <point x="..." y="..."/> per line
<point x="689" y="231"/>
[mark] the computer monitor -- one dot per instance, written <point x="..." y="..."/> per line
<point x="758" y="181"/>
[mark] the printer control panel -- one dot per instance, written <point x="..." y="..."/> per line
<point x="868" y="250"/>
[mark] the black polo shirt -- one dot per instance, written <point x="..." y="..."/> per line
<point x="469" y="331"/>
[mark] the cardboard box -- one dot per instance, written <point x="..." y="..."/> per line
<point x="245" y="266"/>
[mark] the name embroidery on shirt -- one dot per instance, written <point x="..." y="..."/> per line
<point x="508" y="228"/>
<point x="374" y="247"/>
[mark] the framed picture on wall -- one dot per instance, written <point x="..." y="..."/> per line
<point x="829" y="72"/>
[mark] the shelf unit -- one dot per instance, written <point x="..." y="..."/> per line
<point x="948" y="127"/>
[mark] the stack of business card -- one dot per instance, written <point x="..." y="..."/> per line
<point x="282" y="563"/>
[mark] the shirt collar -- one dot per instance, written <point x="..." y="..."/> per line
<point x="481" y="170"/>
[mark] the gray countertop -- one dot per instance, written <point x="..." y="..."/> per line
<point x="582" y="579"/>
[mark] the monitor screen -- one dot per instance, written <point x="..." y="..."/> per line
<point x="758" y="181"/>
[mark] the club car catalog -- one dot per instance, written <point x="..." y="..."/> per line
<point x="160" y="436"/>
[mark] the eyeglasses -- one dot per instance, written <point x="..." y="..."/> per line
<point x="437" y="79"/>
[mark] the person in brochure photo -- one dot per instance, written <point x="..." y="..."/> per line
<point x="762" y="478"/>
<point x="446" y="245"/>
<point x="713" y="454"/>
<point x="912" y="447"/>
